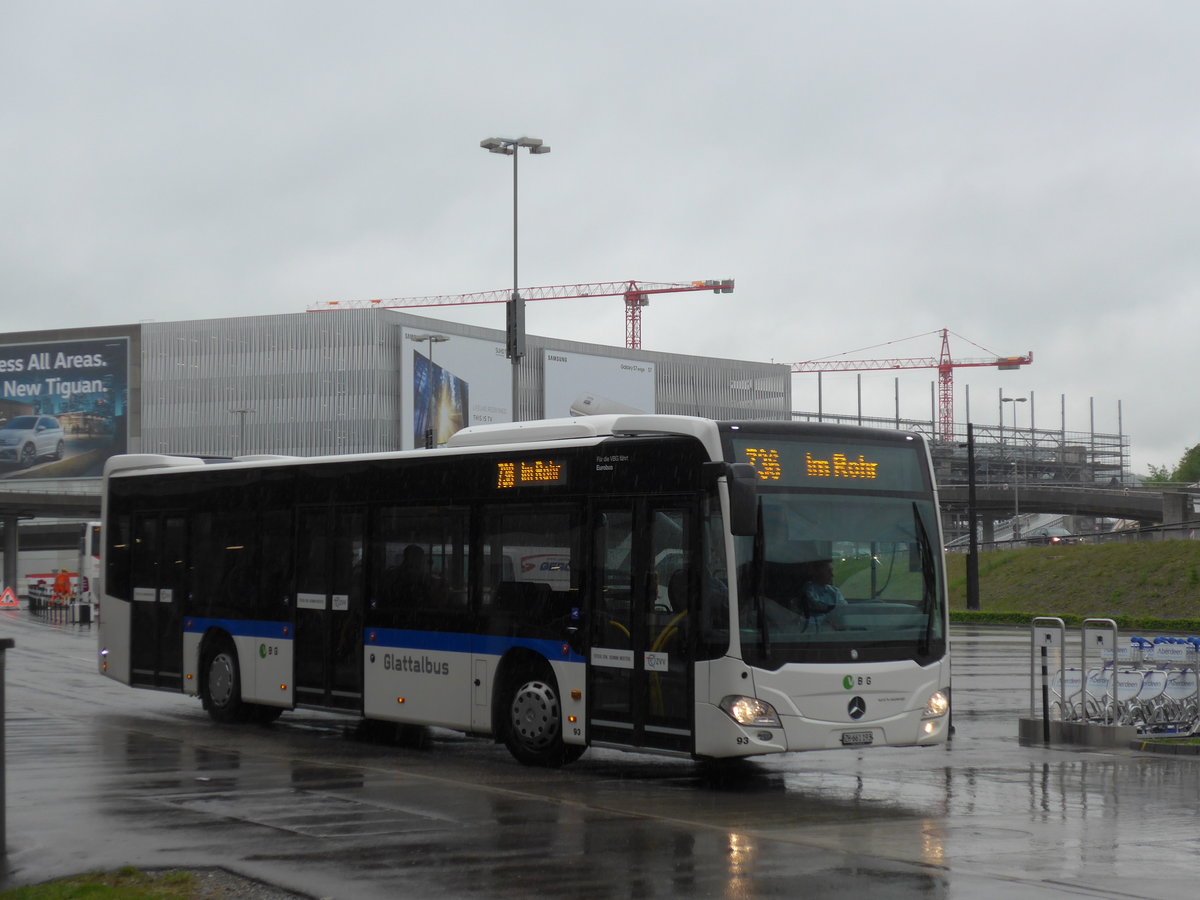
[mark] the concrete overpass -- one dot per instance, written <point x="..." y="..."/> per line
<point x="1149" y="507"/>
<point x="76" y="498"/>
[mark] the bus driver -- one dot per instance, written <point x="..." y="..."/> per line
<point x="823" y="602"/>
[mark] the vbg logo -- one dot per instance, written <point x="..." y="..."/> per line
<point x="850" y="682"/>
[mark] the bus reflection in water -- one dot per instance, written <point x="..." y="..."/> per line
<point x="630" y="581"/>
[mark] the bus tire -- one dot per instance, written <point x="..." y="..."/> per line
<point x="223" y="683"/>
<point x="533" y="720"/>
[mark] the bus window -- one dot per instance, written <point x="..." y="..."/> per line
<point x="222" y="557"/>
<point x="117" y="574"/>
<point x="528" y="574"/>
<point x="145" y="552"/>
<point x="420" y="567"/>
<point x="275" y="564"/>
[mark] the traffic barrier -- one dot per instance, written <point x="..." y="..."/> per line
<point x="8" y="600"/>
<point x="71" y="610"/>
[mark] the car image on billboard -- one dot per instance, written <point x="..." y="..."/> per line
<point x="26" y="439"/>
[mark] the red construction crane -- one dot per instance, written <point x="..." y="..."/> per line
<point x="944" y="364"/>
<point x="636" y="294"/>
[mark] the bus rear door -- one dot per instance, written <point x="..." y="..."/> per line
<point x="328" y="635"/>
<point x="159" y="573"/>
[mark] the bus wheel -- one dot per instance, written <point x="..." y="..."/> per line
<point x="223" y="684"/>
<point x="533" y="721"/>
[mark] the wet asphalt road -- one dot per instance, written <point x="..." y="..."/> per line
<point x="100" y="775"/>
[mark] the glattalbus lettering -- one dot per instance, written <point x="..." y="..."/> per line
<point x="419" y="665"/>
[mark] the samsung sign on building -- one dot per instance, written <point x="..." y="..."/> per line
<point x="63" y="406"/>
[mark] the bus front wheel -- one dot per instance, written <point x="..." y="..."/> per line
<point x="223" y="684"/>
<point x="533" y="721"/>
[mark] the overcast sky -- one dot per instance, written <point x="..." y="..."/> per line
<point x="1024" y="174"/>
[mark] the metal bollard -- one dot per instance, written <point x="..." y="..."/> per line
<point x="6" y="644"/>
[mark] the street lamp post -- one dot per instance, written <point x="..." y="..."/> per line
<point x="514" y="343"/>
<point x="1016" y="478"/>
<point x="430" y="427"/>
<point x="973" y="524"/>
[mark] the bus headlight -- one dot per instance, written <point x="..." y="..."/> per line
<point x="750" y="711"/>
<point x="937" y="705"/>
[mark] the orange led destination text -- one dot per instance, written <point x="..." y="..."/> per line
<point x="839" y="466"/>
<point x="765" y="462"/>
<point x="510" y="474"/>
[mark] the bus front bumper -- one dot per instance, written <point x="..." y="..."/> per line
<point x="719" y="736"/>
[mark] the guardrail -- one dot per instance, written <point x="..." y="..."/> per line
<point x="1189" y="530"/>
<point x="70" y="608"/>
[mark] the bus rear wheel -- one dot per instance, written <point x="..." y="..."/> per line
<point x="223" y="684"/>
<point x="533" y="721"/>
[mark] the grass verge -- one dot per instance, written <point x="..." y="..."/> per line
<point x="126" y="883"/>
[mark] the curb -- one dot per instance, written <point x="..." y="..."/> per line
<point x="1166" y="747"/>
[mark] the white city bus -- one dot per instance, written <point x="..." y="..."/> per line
<point x="627" y="581"/>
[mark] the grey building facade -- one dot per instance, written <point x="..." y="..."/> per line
<point x="343" y="381"/>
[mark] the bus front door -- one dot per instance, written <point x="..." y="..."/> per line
<point x="327" y="643"/>
<point x="640" y="672"/>
<point x="159" y="574"/>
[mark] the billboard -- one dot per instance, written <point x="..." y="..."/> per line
<point x="452" y="382"/>
<point x="63" y="407"/>
<point x="579" y="384"/>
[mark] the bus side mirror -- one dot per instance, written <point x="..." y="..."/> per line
<point x="743" y="499"/>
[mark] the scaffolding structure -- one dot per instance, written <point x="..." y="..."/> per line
<point x="1004" y="454"/>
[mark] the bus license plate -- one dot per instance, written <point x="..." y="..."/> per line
<point x="855" y="738"/>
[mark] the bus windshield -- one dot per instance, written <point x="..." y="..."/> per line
<point x="831" y="577"/>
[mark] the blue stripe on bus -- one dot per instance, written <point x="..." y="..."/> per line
<point x="398" y="638"/>
<point x="459" y="642"/>
<point x="240" y="627"/>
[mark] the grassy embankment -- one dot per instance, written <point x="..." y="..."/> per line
<point x="1151" y="586"/>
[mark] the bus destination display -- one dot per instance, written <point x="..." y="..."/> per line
<point x="793" y="463"/>
<point x="515" y="473"/>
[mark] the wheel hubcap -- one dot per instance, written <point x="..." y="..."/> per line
<point x="535" y="714"/>
<point x="220" y="679"/>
